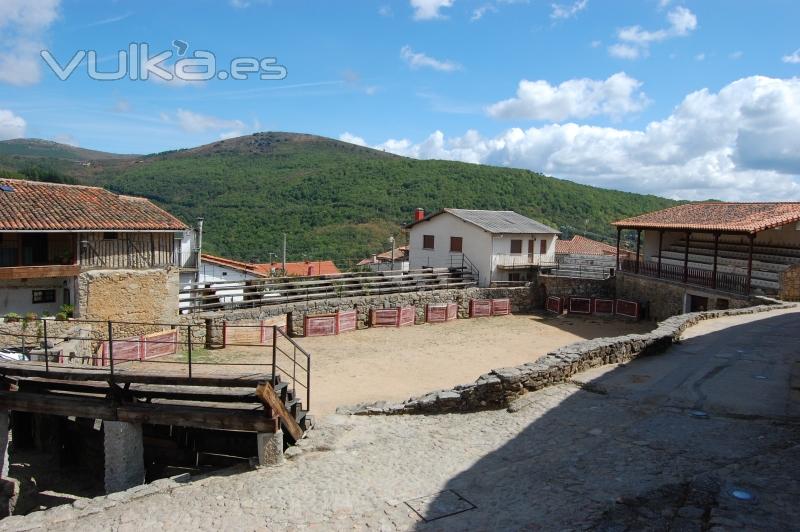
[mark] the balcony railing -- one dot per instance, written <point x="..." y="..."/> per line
<point x="726" y="282"/>
<point x="522" y="260"/>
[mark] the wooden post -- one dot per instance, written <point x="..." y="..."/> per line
<point x="750" y="264"/>
<point x="716" y="253"/>
<point x="619" y="236"/>
<point x="660" y="243"/>
<point x="638" y="247"/>
<point x="686" y="258"/>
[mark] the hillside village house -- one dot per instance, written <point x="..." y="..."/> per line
<point x="503" y="246"/>
<point x="111" y="256"/>
<point x="730" y="247"/>
<point x="392" y="260"/>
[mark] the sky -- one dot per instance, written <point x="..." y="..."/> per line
<point x="689" y="99"/>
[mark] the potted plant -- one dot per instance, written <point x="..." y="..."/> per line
<point x="12" y="317"/>
<point x="67" y="310"/>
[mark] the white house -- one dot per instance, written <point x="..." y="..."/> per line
<point x="503" y="246"/>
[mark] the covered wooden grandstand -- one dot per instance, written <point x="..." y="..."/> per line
<point x="731" y="247"/>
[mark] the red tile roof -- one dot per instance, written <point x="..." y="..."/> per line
<point x="294" y="269"/>
<point x="580" y="245"/>
<point x="400" y="254"/>
<point x="717" y="216"/>
<point x="37" y="206"/>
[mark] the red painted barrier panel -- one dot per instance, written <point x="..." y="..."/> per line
<point x="629" y="309"/>
<point x="321" y="325"/>
<point x="408" y="316"/>
<point x="580" y="305"/>
<point x="604" y="306"/>
<point x="384" y="317"/>
<point x="554" y="305"/>
<point x="125" y="349"/>
<point x="159" y="344"/>
<point x="501" y="307"/>
<point x="346" y="321"/>
<point x="480" y="307"/>
<point x="452" y="311"/>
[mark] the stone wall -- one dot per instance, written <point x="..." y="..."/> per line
<point x="663" y="299"/>
<point x="550" y="285"/>
<point x="129" y="296"/>
<point x="520" y="301"/>
<point x="790" y="284"/>
<point x="500" y="387"/>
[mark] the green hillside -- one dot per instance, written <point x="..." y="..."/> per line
<point x="337" y="200"/>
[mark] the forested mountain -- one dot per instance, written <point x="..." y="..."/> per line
<point x="333" y="199"/>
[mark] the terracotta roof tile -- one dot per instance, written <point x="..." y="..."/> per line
<point x="33" y="205"/>
<point x="295" y="269"/>
<point x="580" y="245"/>
<point x="717" y="216"/>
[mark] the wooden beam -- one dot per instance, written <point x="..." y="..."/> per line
<point x="748" y="288"/>
<point x="266" y="394"/>
<point x="660" y="246"/>
<point x="638" y="248"/>
<point x="716" y="253"/>
<point x="39" y="272"/>
<point x="197" y="417"/>
<point x="58" y="405"/>
<point x="686" y="257"/>
<point x="619" y="237"/>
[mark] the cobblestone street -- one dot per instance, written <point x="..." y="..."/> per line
<point x="672" y="442"/>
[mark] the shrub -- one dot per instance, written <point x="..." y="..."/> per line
<point x="12" y="317"/>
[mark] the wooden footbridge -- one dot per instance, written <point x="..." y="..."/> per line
<point x="257" y="402"/>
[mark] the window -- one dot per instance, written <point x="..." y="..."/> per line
<point x="456" y="243"/>
<point x="516" y="246"/>
<point x="44" y="296"/>
<point x="543" y="247"/>
<point x="110" y="236"/>
<point x="530" y="246"/>
<point x="427" y="241"/>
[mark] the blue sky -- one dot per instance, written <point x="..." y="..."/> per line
<point x="690" y="99"/>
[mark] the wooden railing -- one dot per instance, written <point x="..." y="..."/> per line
<point x="726" y="282"/>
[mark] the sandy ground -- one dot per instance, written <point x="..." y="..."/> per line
<point x="395" y="363"/>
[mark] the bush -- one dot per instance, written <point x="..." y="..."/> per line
<point x="61" y="316"/>
<point x="12" y="317"/>
<point x="67" y="310"/>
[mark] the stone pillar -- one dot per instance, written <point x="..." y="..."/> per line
<point x="124" y="455"/>
<point x="7" y="487"/>
<point x="270" y="448"/>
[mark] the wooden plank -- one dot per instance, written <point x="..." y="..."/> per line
<point x="266" y="393"/>
<point x="39" y="272"/>
<point x="57" y="405"/>
<point x="31" y="369"/>
<point x="197" y="417"/>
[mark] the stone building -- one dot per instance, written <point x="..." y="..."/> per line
<point x="110" y="256"/>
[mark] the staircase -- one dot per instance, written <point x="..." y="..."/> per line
<point x="462" y="269"/>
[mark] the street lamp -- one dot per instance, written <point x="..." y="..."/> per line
<point x="391" y="241"/>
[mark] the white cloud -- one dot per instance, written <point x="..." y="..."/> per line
<point x="793" y="57"/>
<point x="192" y="122"/>
<point x="352" y="139"/>
<point x="122" y="106"/>
<point x="700" y="57"/>
<point x="23" y="24"/>
<point x="420" y="60"/>
<point x="479" y="12"/>
<point x="11" y="125"/>
<point x="596" y="44"/>
<point x="563" y="11"/>
<point x="385" y="11"/>
<point x="741" y="143"/>
<point x="736" y="55"/>
<point x="618" y="95"/>
<point x="634" y="41"/>
<point x="429" y="9"/>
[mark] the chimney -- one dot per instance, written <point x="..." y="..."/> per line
<point x="419" y="214"/>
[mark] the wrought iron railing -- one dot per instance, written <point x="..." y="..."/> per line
<point x="723" y="281"/>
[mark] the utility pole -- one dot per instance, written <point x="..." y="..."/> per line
<point x="284" y="253"/>
<point x="391" y="240"/>
<point x="198" y="248"/>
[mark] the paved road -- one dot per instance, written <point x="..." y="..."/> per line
<point x="623" y="449"/>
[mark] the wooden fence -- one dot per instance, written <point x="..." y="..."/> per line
<point x="140" y="348"/>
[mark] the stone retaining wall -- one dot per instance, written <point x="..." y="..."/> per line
<point x="790" y="283"/>
<point x="520" y="301"/>
<point x="550" y="285"/>
<point x="498" y="388"/>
